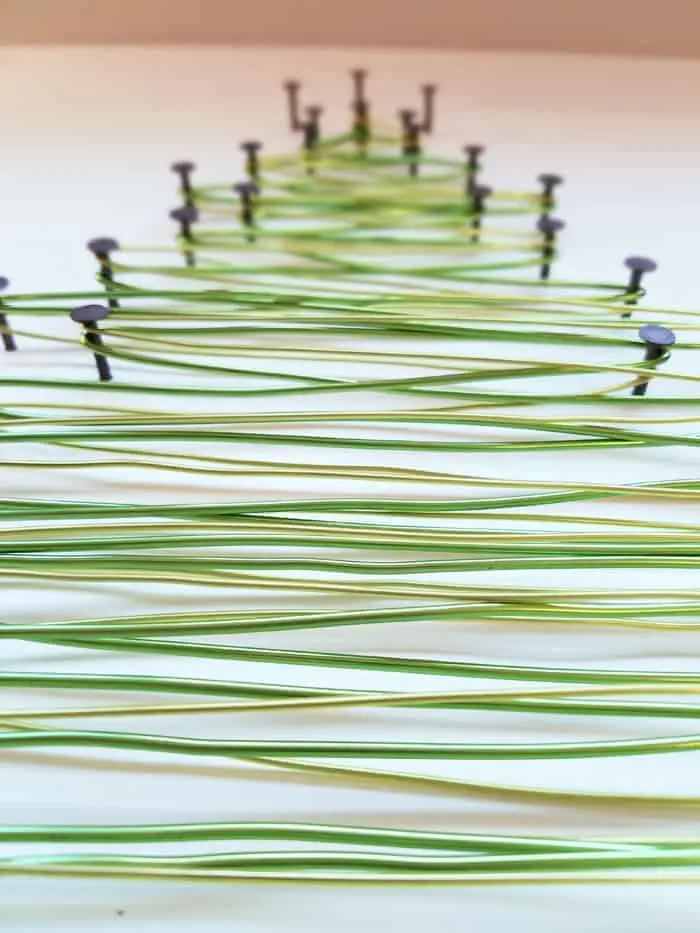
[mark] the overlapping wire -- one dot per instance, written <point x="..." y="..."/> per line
<point x="361" y="322"/>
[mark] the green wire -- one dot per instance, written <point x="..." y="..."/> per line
<point x="338" y="264"/>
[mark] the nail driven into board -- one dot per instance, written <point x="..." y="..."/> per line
<point x="428" y="120"/>
<point x="89" y="316"/>
<point x="186" y="216"/>
<point x="251" y="148"/>
<point x="638" y="266"/>
<point x="102" y="249"/>
<point x="407" y="119"/>
<point x="184" y="172"/>
<point x="313" y="114"/>
<point x="550" y="182"/>
<point x="473" y="152"/>
<point x="247" y="191"/>
<point x="361" y="128"/>
<point x="479" y="195"/>
<point x="359" y="79"/>
<point x="549" y="227"/>
<point x="292" y="89"/>
<point x="410" y="140"/>
<point x="8" y="338"/>
<point x="312" y="134"/>
<point x="658" y="340"/>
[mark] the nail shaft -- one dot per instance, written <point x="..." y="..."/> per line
<point x="292" y="89"/>
<point x="312" y="134"/>
<point x="658" y="341"/>
<point x="549" y="227"/>
<point x="359" y="77"/>
<point x="361" y="129"/>
<point x="102" y="248"/>
<point x="633" y="286"/>
<point x="472" y="167"/>
<point x="479" y="194"/>
<point x="410" y="141"/>
<point x="8" y="338"/>
<point x="428" y="120"/>
<point x="185" y="217"/>
<point x="246" y="191"/>
<point x="184" y="172"/>
<point x="252" y="160"/>
<point x="94" y="340"/>
<point x="88" y="316"/>
<point x="638" y="266"/>
<point x="549" y="184"/>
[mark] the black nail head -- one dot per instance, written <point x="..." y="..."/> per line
<point x="183" y="167"/>
<point x="640" y="264"/>
<point x="550" y="225"/>
<point x="251" y="145"/>
<point x="481" y="191"/>
<point x="4" y="283"/>
<point x="550" y="180"/>
<point x="657" y="335"/>
<point x="245" y="188"/>
<point x="89" y="314"/>
<point x="188" y="213"/>
<point x="102" y="246"/>
<point x="474" y="150"/>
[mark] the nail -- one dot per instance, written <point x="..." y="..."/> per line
<point x="8" y="338"/>
<point x="314" y="122"/>
<point x="548" y="227"/>
<point x="658" y="340"/>
<point x="101" y="248"/>
<point x="312" y="133"/>
<point x="246" y="190"/>
<point x="359" y="77"/>
<point x="186" y="216"/>
<point x="473" y="165"/>
<point x="360" y="108"/>
<point x="88" y="316"/>
<point x="251" y="148"/>
<point x="407" y="117"/>
<point x="292" y="89"/>
<point x="184" y="171"/>
<point x="549" y="182"/>
<point x="410" y="140"/>
<point x="479" y="193"/>
<point x="429" y="92"/>
<point x="637" y="265"/>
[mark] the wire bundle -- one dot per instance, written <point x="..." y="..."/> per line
<point x="354" y="328"/>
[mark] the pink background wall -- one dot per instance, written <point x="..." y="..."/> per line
<point x="618" y="26"/>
